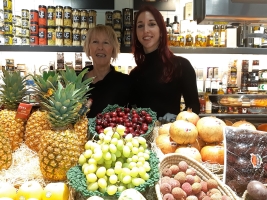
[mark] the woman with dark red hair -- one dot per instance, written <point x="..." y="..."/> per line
<point x="160" y="77"/>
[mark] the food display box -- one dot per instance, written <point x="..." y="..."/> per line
<point x="245" y="158"/>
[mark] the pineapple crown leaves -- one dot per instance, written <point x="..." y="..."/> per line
<point x="13" y="89"/>
<point x="63" y="105"/>
<point x="46" y="81"/>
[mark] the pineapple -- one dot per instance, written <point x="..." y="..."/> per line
<point x="38" y="121"/>
<point x="5" y="152"/>
<point x="13" y="90"/>
<point x="60" y="147"/>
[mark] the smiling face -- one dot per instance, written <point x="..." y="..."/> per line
<point x="147" y="31"/>
<point x="101" y="49"/>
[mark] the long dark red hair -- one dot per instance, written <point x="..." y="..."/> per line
<point x="164" y="51"/>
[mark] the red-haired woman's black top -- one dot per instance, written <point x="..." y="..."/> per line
<point x="148" y="91"/>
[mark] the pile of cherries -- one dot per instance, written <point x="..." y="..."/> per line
<point x="135" y="123"/>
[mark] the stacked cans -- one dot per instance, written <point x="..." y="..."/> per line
<point x="2" y="37"/>
<point x="25" y="27"/>
<point x="8" y="34"/>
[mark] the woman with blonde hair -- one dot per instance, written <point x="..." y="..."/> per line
<point x="109" y="86"/>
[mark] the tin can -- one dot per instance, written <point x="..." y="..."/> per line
<point x="16" y="20"/>
<point x="108" y="17"/>
<point x="76" y="18"/>
<point x="25" y="32"/>
<point x="42" y="15"/>
<point x="34" y="16"/>
<point x="34" y="28"/>
<point x="34" y="40"/>
<point x="67" y="16"/>
<point x="8" y="39"/>
<point x="25" y="23"/>
<point x="7" y="16"/>
<point x="127" y="16"/>
<point x="59" y="36"/>
<point x="59" y="16"/>
<point x="67" y="41"/>
<point x="25" y="40"/>
<point x="76" y="34"/>
<point x="51" y="15"/>
<point x="7" y="4"/>
<point x="84" y="19"/>
<point x="16" y="30"/>
<point x="91" y="18"/>
<point x="127" y="37"/>
<point x="42" y="35"/>
<point x="16" y="40"/>
<point x="8" y="28"/>
<point x="83" y="35"/>
<point x="25" y="14"/>
<point x="116" y="17"/>
<point x="51" y="35"/>
<point x="118" y="33"/>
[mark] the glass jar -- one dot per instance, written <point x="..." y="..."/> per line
<point x="7" y="16"/>
<point x="25" y="32"/>
<point x="34" y="28"/>
<point x="83" y="35"/>
<point x="67" y="16"/>
<point x="42" y="35"/>
<point x="51" y="35"/>
<point x="25" y="23"/>
<point x="16" y="30"/>
<point x="2" y="38"/>
<point x="108" y="17"/>
<point x="76" y="34"/>
<point x="25" y="14"/>
<point x="84" y="19"/>
<point x="59" y="16"/>
<point x="16" y="40"/>
<point x="127" y="14"/>
<point x="67" y="36"/>
<point x="34" y="16"/>
<point x="91" y="18"/>
<point x="118" y="33"/>
<point x="51" y="15"/>
<point x="16" y="20"/>
<point x="116" y="18"/>
<point x="42" y="15"/>
<point x="76" y="18"/>
<point x="8" y="39"/>
<point x="127" y="37"/>
<point x="8" y="28"/>
<point x="7" y="4"/>
<point x="59" y="36"/>
<point x="25" y="40"/>
<point x="34" y="40"/>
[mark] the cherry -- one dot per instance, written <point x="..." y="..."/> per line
<point x="105" y="124"/>
<point x="148" y="119"/>
<point x="131" y="130"/>
<point x="128" y="124"/>
<point x="101" y="130"/>
<point x="99" y="115"/>
<point x="113" y="119"/>
<point x="98" y="121"/>
<point x="143" y="112"/>
<point x="142" y="132"/>
<point x="121" y="114"/>
<point x="113" y="114"/>
<point x="106" y="115"/>
<point x="127" y="110"/>
<point x="118" y="109"/>
<point x="134" y="119"/>
<point x="135" y="115"/>
<point x="98" y="127"/>
<point x="134" y="112"/>
<point x="112" y="124"/>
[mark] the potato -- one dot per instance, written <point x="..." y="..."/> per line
<point x="257" y="190"/>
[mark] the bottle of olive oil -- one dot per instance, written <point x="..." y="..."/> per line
<point x="203" y="42"/>
<point x="182" y="39"/>
<point x="198" y="39"/>
<point x="216" y="36"/>
<point x="222" y="36"/>
<point x="189" y="40"/>
<point x="210" y="39"/>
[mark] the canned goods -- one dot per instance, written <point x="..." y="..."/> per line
<point x="42" y="35"/>
<point x="76" y="34"/>
<point x="25" y="14"/>
<point x="34" y="40"/>
<point x="8" y="39"/>
<point x="42" y="15"/>
<point x="59" y="16"/>
<point x="16" y="30"/>
<point x="25" y="40"/>
<point x="25" y="32"/>
<point x="116" y="17"/>
<point x="108" y="17"/>
<point x="84" y="19"/>
<point x="83" y="35"/>
<point x="16" y="20"/>
<point x="67" y="16"/>
<point x="34" y="16"/>
<point x="16" y="40"/>
<point x="67" y="41"/>
<point x="7" y="4"/>
<point x="76" y="18"/>
<point x="59" y="36"/>
<point x="91" y="18"/>
<point x="51" y="16"/>
<point x="8" y="28"/>
<point x="25" y="23"/>
<point x="127" y="14"/>
<point x="7" y="16"/>
<point x="34" y="28"/>
<point x="51" y="35"/>
<point x="127" y="37"/>
<point x="118" y="33"/>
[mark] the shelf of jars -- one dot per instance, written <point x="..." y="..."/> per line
<point x="47" y="48"/>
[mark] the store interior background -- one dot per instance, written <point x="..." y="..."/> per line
<point x="34" y="60"/>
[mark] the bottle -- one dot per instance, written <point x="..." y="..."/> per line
<point x="216" y="36"/>
<point x="203" y="42"/>
<point x="169" y="30"/>
<point x="257" y="41"/>
<point x="189" y="40"/>
<point x="202" y="103"/>
<point x="220" y="90"/>
<point x="198" y="39"/>
<point x="222" y="36"/>
<point x="208" y="104"/>
<point x="210" y="39"/>
<point x="175" y="26"/>
<point x="182" y="39"/>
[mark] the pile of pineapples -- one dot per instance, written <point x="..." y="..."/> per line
<point x="57" y="131"/>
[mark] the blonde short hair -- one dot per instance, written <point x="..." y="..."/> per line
<point x="111" y="36"/>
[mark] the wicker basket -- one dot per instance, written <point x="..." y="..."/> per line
<point x="202" y="172"/>
<point x="246" y="196"/>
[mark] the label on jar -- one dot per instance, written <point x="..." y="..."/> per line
<point x="25" y="14"/>
<point x="66" y="35"/>
<point x="25" y="23"/>
<point x="91" y="19"/>
<point x="59" y="35"/>
<point x="49" y="35"/>
<point x="41" y="14"/>
<point x="76" y="37"/>
<point x="83" y="19"/>
<point x="14" y="20"/>
<point x="67" y="15"/>
<point x="108" y="18"/>
<point x="8" y="40"/>
<point x="41" y="34"/>
<point x="127" y="18"/>
<point x="59" y="15"/>
<point x="50" y="15"/>
<point x="7" y="16"/>
<point x="76" y="18"/>
<point x="16" y="40"/>
<point x="32" y="40"/>
<point x="33" y="28"/>
<point x="83" y="37"/>
<point x="25" y="32"/>
<point x="25" y="41"/>
<point x="262" y="87"/>
<point x="8" y="29"/>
